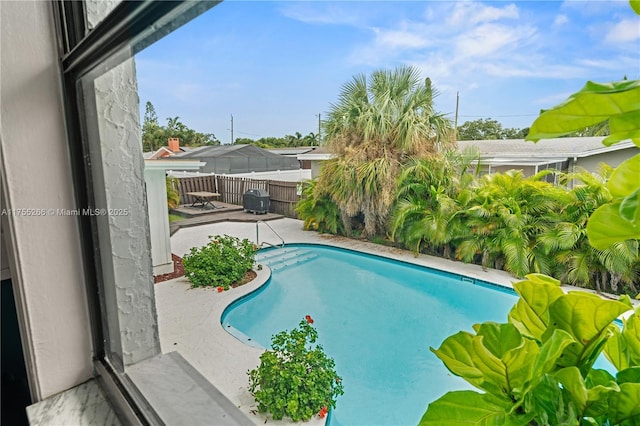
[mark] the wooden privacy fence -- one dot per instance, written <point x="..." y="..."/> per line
<point x="283" y="195"/>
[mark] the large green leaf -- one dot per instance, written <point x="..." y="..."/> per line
<point x="625" y="179"/>
<point x="599" y="385"/>
<point x="593" y="104"/>
<point x="468" y="408"/>
<point x="629" y="375"/>
<point x="622" y="127"/>
<point x="550" y="351"/>
<point x="531" y="313"/>
<point x="550" y="404"/>
<point x="631" y="334"/>
<point x="623" y="348"/>
<point x="586" y="317"/>
<point x="606" y="226"/>
<point x="505" y="358"/>
<point x="616" y="350"/>
<point x="624" y="406"/>
<point x="456" y="353"/>
<point x="573" y="383"/>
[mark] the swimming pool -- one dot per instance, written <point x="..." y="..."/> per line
<point x="376" y="317"/>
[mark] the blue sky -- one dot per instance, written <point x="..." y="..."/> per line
<point x="276" y="65"/>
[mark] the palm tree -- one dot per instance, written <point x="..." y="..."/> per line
<point x="505" y="213"/>
<point x="375" y="128"/>
<point x="426" y="210"/>
<point x="578" y="263"/>
<point x="317" y="211"/>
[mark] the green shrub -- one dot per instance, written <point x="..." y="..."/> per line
<point x="222" y="262"/>
<point x="537" y="369"/>
<point x="295" y="379"/>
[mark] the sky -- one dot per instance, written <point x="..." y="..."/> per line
<point x="275" y="66"/>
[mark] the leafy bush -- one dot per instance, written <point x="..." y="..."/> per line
<point x="173" y="195"/>
<point x="295" y="379"/>
<point x="222" y="262"/>
<point x="537" y="369"/>
<point x="317" y="210"/>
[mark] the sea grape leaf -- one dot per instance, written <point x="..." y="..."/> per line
<point x="530" y="314"/>
<point x="624" y="406"/>
<point x="468" y="408"/>
<point x="593" y="104"/>
<point x="606" y="226"/>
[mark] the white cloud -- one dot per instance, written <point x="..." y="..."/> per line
<point x="624" y="31"/>
<point x="475" y="13"/>
<point x="401" y="39"/>
<point x="490" y="39"/>
<point x="321" y="13"/>
<point x="560" y="20"/>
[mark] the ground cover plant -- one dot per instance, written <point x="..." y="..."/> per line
<point x="222" y="262"/>
<point x="295" y="378"/>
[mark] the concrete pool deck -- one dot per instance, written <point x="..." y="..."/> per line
<point x="189" y="319"/>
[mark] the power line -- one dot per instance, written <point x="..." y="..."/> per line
<point x="499" y="116"/>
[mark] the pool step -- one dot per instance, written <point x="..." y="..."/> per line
<point x="278" y="259"/>
<point x="265" y="257"/>
<point x="298" y="260"/>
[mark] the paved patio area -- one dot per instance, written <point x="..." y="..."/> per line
<point x="189" y="319"/>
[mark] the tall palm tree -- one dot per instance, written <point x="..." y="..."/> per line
<point x="376" y="126"/>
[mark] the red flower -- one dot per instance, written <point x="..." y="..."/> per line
<point x="220" y="289"/>
<point x="309" y="319"/>
<point x="323" y="412"/>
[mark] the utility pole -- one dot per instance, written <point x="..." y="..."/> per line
<point x="456" y="122"/>
<point x="231" y="129"/>
<point x="319" y="131"/>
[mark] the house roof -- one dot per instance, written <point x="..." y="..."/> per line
<point x="163" y="151"/>
<point x="227" y="151"/>
<point x="545" y="148"/>
<point x="292" y="150"/>
<point x="519" y="151"/>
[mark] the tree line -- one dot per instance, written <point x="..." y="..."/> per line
<point x="396" y="177"/>
<point x="488" y="129"/>
<point x="155" y="136"/>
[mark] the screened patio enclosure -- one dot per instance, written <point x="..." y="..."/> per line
<point x="230" y="159"/>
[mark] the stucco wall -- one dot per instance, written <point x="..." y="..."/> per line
<point x="47" y="274"/>
<point x="613" y="159"/>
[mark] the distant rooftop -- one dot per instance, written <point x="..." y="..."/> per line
<point x="545" y="148"/>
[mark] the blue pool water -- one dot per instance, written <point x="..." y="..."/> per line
<point x="376" y="318"/>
